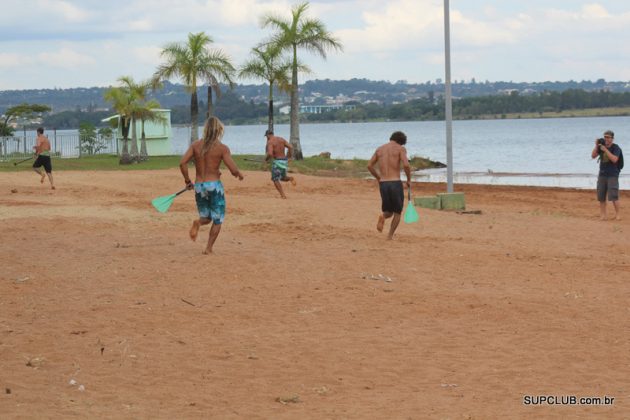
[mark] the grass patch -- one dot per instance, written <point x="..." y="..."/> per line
<point x="418" y="163"/>
<point x="314" y="165"/>
<point x="317" y="165"/>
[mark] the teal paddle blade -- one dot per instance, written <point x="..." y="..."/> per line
<point x="411" y="215"/>
<point x="163" y="203"/>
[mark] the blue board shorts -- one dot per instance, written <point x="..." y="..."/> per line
<point x="210" y="198"/>
<point x="279" y="169"/>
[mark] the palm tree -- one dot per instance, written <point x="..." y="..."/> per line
<point x="137" y="94"/>
<point x="122" y="101"/>
<point x="267" y="64"/>
<point x="142" y="110"/>
<point x="299" y="32"/>
<point x="192" y="62"/>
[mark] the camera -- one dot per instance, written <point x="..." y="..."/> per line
<point x="601" y="141"/>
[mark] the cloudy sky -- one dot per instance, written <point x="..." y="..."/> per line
<point x="72" y="43"/>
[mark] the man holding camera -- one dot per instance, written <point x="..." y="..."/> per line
<point x="609" y="167"/>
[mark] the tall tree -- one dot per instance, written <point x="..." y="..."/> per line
<point x="268" y="64"/>
<point x="217" y="69"/>
<point x="193" y="62"/>
<point x="23" y="111"/>
<point x="291" y="34"/>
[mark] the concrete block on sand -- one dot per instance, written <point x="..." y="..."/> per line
<point x="452" y="201"/>
<point x="427" y="202"/>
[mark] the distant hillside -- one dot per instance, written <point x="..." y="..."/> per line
<point x="91" y="99"/>
<point x="315" y="91"/>
<point x="387" y="93"/>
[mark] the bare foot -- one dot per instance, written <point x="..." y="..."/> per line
<point x="380" y="223"/>
<point x="194" y="230"/>
<point x="52" y="187"/>
<point x="41" y="181"/>
<point x="207" y="251"/>
<point x="389" y="238"/>
<point x="617" y="217"/>
<point x="603" y="218"/>
<point x="293" y="181"/>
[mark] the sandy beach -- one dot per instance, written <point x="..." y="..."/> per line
<point x="109" y="310"/>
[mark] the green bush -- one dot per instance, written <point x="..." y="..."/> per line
<point x="90" y="142"/>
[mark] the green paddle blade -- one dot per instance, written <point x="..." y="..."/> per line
<point x="411" y="215"/>
<point x="162" y="204"/>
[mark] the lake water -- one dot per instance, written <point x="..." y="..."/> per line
<point x="540" y="152"/>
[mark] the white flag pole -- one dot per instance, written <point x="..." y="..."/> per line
<point x="448" y="100"/>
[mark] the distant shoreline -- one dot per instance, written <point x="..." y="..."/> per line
<point x="573" y="113"/>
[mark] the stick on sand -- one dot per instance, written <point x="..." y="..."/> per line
<point x="22" y="161"/>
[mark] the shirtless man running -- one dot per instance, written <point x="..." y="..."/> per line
<point x="280" y="163"/>
<point x="207" y="154"/>
<point x="42" y="150"/>
<point x="389" y="157"/>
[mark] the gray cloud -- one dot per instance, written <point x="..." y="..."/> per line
<point x="398" y="39"/>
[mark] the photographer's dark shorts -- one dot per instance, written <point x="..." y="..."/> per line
<point x="607" y="185"/>
<point x="43" y="161"/>
<point x="392" y="196"/>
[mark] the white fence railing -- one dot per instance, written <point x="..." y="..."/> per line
<point x="61" y="145"/>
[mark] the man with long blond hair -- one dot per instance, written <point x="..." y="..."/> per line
<point x="207" y="154"/>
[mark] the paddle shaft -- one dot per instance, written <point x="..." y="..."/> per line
<point x="22" y="161"/>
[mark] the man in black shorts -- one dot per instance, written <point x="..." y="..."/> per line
<point x="389" y="157"/>
<point x="42" y="150"/>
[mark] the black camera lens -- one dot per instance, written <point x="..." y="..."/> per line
<point x="601" y="141"/>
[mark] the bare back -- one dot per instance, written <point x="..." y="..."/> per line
<point x="276" y="147"/>
<point x="207" y="167"/>
<point x="389" y="157"/>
